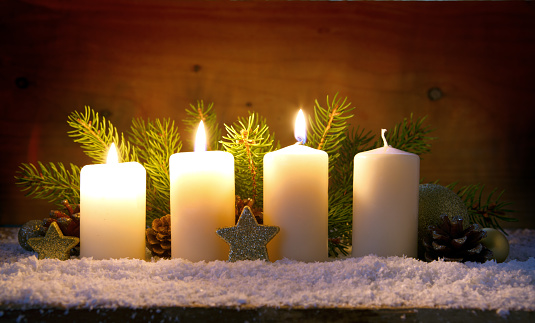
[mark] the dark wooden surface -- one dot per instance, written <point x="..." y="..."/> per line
<point x="180" y="314"/>
<point x="153" y="58"/>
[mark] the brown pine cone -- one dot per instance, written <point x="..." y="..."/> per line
<point x="450" y="242"/>
<point x="68" y="219"/>
<point x="159" y="237"/>
<point x="241" y="204"/>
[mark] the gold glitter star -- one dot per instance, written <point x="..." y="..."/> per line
<point x="248" y="239"/>
<point x="54" y="244"/>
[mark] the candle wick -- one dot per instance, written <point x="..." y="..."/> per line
<point x="384" y="138"/>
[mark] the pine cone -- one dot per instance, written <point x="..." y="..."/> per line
<point x="240" y="204"/>
<point x="159" y="237"/>
<point x="68" y="219"/>
<point x="450" y="242"/>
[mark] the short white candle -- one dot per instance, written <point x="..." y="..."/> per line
<point x="385" y="202"/>
<point x="112" y="209"/>
<point x="202" y="200"/>
<point x="296" y="200"/>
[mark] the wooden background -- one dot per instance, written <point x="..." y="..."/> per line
<point x="153" y="58"/>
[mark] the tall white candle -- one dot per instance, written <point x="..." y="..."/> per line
<point x="296" y="200"/>
<point x="385" y="202"/>
<point x="202" y="200"/>
<point x="112" y="209"/>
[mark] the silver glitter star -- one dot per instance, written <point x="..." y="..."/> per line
<point x="54" y="244"/>
<point x="248" y="239"/>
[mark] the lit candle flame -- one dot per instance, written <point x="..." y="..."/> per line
<point x="200" y="138"/>
<point x="300" y="129"/>
<point x="113" y="157"/>
<point x="384" y="138"/>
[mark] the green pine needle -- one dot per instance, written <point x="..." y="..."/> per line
<point x="96" y="136"/>
<point x="248" y="140"/>
<point x="155" y="141"/>
<point x="328" y="127"/>
<point x="51" y="182"/>
<point x="207" y="114"/>
<point x="409" y="135"/>
<point x="485" y="212"/>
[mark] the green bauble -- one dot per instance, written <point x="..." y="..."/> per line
<point x="31" y="229"/>
<point x="434" y="201"/>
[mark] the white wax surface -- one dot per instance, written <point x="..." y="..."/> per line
<point x="202" y="201"/>
<point x="385" y="203"/>
<point x="296" y="200"/>
<point x="112" y="211"/>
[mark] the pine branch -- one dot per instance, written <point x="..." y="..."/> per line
<point x="410" y="136"/>
<point x="487" y="212"/>
<point x="248" y="140"/>
<point x="328" y="127"/>
<point x="154" y="142"/>
<point x="96" y="136"/>
<point x="341" y="191"/>
<point x="197" y="113"/>
<point x="52" y="182"/>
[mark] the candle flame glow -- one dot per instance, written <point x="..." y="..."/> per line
<point x="300" y="129"/>
<point x="113" y="157"/>
<point x="200" y="138"/>
<point x="384" y="138"/>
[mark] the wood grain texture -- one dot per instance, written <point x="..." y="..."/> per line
<point x="153" y="58"/>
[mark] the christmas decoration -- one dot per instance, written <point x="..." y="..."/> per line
<point x="248" y="239"/>
<point x="434" y="201"/>
<point x="152" y="142"/>
<point x="497" y="243"/>
<point x="31" y="229"/>
<point x="159" y="237"/>
<point x="449" y="241"/>
<point x="68" y="219"/>
<point x="54" y="244"/>
<point x="485" y="212"/>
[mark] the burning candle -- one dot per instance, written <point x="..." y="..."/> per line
<point x="296" y="199"/>
<point x="202" y="200"/>
<point x="385" y="202"/>
<point x="112" y="209"/>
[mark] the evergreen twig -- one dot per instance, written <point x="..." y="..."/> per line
<point x="328" y="126"/>
<point x="155" y="141"/>
<point x="96" y="135"/>
<point x="409" y="135"/>
<point x="485" y="212"/>
<point x="208" y="116"/>
<point x="248" y="140"/>
<point x="52" y="182"/>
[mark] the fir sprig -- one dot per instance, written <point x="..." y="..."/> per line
<point x="409" y="135"/>
<point x="52" y="182"/>
<point x="328" y="126"/>
<point x="96" y="135"/>
<point x="485" y="212"/>
<point x="207" y="115"/>
<point x="248" y="140"/>
<point x="155" y="141"/>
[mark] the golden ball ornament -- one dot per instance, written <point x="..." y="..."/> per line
<point x="497" y="242"/>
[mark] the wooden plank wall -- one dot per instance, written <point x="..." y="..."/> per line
<point x="153" y="58"/>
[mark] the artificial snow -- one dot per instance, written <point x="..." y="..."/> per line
<point x="365" y="282"/>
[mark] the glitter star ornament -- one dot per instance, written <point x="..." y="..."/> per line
<point x="54" y="245"/>
<point x="248" y="239"/>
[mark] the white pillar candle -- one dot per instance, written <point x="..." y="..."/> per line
<point x="112" y="209"/>
<point x="202" y="200"/>
<point x="296" y="200"/>
<point x="385" y="202"/>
